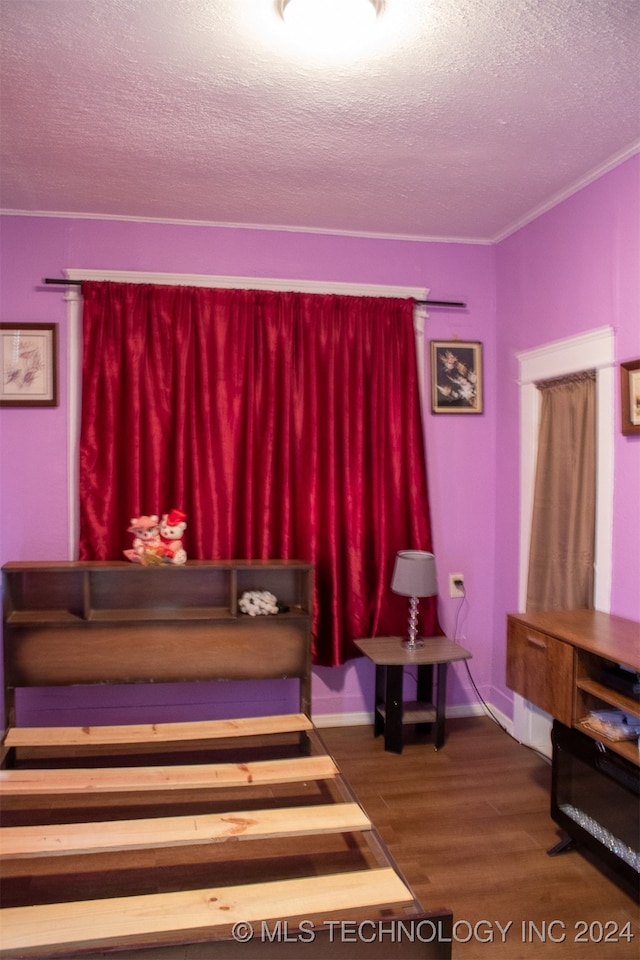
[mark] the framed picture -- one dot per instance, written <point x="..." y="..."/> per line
<point x="29" y="354"/>
<point x="456" y="376"/>
<point x="630" y="397"/>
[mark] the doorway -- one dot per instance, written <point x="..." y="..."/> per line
<point x="591" y="350"/>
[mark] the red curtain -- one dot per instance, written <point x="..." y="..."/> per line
<point x="285" y="425"/>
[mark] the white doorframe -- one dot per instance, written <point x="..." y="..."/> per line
<point x="593" y="350"/>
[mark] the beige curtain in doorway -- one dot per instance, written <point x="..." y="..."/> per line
<point x="563" y="525"/>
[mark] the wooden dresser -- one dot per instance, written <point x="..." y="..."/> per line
<point x="559" y="659"/>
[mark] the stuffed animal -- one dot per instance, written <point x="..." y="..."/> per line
<point x="258" y="603"/>
<point x="172" y="527"/>
<point x="147" y="545"/>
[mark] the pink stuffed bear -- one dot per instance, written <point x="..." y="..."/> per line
<point x="172" y="527"/>
<point x="147" y="545"/>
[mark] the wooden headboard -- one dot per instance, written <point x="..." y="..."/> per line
<point x="120" y="622"/>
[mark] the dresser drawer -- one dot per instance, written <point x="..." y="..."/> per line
<point x="540" y="668"/>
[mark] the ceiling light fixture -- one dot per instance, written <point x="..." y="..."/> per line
<point x="330" y="24"/>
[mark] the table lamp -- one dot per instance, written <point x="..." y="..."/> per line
<point x="414" y="576"/>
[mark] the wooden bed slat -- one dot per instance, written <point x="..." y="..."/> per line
<point x="144" y="779"/>
<point x="112" y="835"/>
<point x="127" y="919"/>
<point x="156" y="732"/>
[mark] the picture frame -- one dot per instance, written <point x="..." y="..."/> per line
<point x="29" y="357"/>
<point x="630" y="397"/>
<point x="457" y="383"/>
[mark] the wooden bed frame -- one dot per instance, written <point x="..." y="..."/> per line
<point x="123" y="840"/>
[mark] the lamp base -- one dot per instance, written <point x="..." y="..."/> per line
<point x="413" y="644"/>
<point x="413" y="641"/>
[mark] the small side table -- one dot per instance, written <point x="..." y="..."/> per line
<point x="390" y="658"/>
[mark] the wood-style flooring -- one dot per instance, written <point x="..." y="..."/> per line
<point x="469" y="828"/>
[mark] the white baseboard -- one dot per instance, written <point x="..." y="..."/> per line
<point x="362" y="718"/>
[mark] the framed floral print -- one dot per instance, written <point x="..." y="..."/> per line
<point x="29" y="355"/>
<point x="456" y="376"/>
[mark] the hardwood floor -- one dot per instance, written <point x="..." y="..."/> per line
<point x="469" y="827"/>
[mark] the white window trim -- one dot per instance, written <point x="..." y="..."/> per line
<point x="250" y="283"/>
<point x="74" y="298"/>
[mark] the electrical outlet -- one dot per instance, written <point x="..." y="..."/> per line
<point x="456" y="585"/>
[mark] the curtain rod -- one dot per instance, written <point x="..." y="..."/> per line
<point x="422" y="303"/>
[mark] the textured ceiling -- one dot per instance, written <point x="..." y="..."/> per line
<point x="462" y="120"/>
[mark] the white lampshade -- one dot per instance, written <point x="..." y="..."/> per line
<point x="414" y="574"/>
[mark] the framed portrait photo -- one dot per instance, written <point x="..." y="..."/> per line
<point x="456" y="376"/>
<point x="630" y="397"/>
<point x="29" y="355"/>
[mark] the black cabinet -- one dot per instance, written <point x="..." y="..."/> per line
<point x="594" y="799"/>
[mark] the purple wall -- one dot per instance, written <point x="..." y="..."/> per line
<point x="571" y="270"/>
<point x="576" y="268"/>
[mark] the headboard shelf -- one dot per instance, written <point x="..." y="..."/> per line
<point x="98" y="622"/>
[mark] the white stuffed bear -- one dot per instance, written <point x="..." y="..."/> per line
<point x="172" y="527"/>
